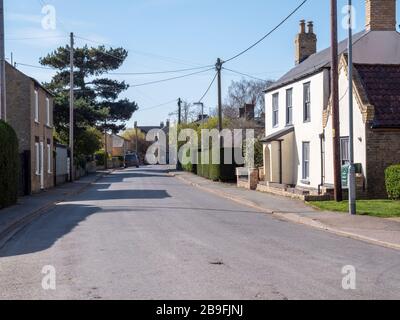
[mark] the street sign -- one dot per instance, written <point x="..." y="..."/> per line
<point x="345" y="176"/>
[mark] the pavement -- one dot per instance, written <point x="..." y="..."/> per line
<point x="143" y="234"/>
<point x="28" y="208"/>
<point x="383" y="232"/>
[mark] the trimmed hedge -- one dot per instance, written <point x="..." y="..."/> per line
<point x="392" y="176"/>
<point x="217" y="172"/>
<point x="9" y="165"/>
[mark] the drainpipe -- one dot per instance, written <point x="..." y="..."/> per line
<point x="322" y="139"/>
<point x="280" y="163"/>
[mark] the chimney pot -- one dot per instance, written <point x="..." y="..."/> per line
<point x="310" y="27"/>
<point x="302" y="26"/>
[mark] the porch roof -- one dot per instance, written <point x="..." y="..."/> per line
<point x="278" y="135"/>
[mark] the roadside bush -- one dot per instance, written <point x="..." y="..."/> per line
<point x="101" y="157"/>
<point x="392" y="177"/>
<point x="9" y="165"/>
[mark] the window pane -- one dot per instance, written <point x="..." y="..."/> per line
<point x="306" y="160"/>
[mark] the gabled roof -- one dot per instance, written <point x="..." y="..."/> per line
<point x="312" y="64"/>
<point x="381" y="84"/>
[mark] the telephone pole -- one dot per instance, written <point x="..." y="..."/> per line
<point x="179" y="164"/>
<point x="137" y="138"/>
<point x="337" y="167"/>
<point x="352" y="170"/>
<point x="218" y="67"/>
<point x="179" y="111"/>
<point x="3" y="109"/>
<point x="71" y="107"/>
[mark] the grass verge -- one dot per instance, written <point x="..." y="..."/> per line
<point x="375" y="208"/>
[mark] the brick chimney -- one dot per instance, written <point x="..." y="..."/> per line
<point x="381" y="15"/>
<point x="306" y="42"/>
<point x="247" y="111"/>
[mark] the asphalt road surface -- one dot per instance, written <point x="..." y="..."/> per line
<point x="141" y="234"/>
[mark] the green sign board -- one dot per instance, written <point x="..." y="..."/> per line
<point x="345" y="176"/>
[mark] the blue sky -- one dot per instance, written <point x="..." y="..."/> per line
<point x="171" y="34"/>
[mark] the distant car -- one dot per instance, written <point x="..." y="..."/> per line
<point x="132" y="160"/>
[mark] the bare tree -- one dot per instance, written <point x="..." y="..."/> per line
<point x="189" y="112"/>
<point x="246" y="91"/>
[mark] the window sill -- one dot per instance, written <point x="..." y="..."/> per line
<point x="306" y="121"/>
<point x="305" y="182"/>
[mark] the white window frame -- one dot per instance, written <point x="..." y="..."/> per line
<point x="289" y="107"/>
<point x="307" y="102"/>
<point x="275" y="110"/>
<point x="48" y="112"/>
<point x="306" y="161"/>
<point x="37" y="159"/>
<point x="49" y="166"/>
<point x="345" y="151"/>
<point x="36" y="106"/>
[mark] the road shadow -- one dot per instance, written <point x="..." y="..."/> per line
<point x="44" y="232"/>
<point x="58" y="222"/>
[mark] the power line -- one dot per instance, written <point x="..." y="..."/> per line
<point x="156" y="72"/>
<point x="36" y="38"/>
<point x="146" y="54"/>
<point x="170" y="79"/>
<point x="245" y="75"/>
<point x="269" y="33"/>
<point x="209" y="87"/>
<point x="156" y="106"/>
<point x="32" y="66"/>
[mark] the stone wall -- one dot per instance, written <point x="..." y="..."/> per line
<point x="383" y="150"/>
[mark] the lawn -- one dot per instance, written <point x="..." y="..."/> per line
<point x="376" y="208"/>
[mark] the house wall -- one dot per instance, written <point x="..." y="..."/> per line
<point x="21" y="114"/>
<point x="42" y="133"/>
<point x="382" y="151"/>
<point x="304" y="131"/>
<point x="359" y="130"/>
<point x="18" y="106"/>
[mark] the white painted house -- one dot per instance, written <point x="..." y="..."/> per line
<point x="298" y="151"/>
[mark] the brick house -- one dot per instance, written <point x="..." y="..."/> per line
<point x="30" y="113"/>
<point x="298" y="151"/>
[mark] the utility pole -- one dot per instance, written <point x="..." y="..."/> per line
<point x="3" y="107"/>
<point x="179" y="111"/>
<point x="137" y="138"/>
<point x="71" y="106"/>
<point x="105" y="146"/>
<point x="337" y="167"/>
<point x="218" y="67"/>
<point x="352" y="171"/>
<point x="179" y="164"/>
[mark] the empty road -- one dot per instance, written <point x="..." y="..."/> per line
<point x="141" y="234"/>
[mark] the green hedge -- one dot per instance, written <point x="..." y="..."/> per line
<point x="9" y="165"/>
<point x="393" y="182"/>
<point x="217" y="172"/>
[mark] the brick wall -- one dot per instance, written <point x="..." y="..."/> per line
<point x="21" y="114"/>
<point x="383" y="150"/>
<point x="381" y="15"/>
<point x="18" y="106"/>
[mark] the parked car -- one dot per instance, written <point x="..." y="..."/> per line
<point x="132" y="160"/>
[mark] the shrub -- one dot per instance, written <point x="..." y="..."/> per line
<point x="393" y="182"/>
<point x="9" y="165"/>
<point x="101" y="157"/>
